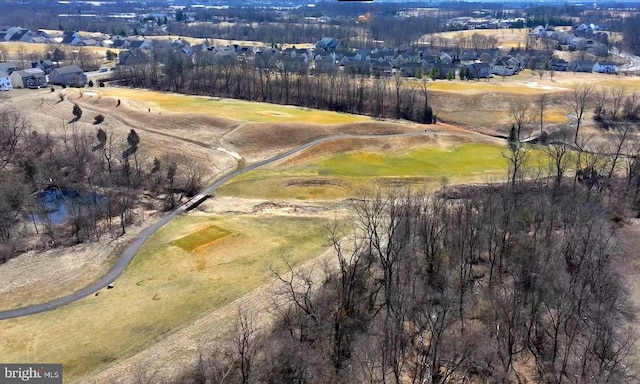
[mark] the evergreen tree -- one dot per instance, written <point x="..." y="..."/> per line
<point x="512" y="141"/>
<point x="434" y="74"/>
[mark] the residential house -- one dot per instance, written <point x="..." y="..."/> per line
<point x="71" y="38"/>
<point x="558" y="65"/>
<point x="39" y="40"/>
<point x="599" y="50"/>
<point x="325" y="65"/>
<point x="28" y="78"/>
<point x="327" y="44"/>
<point x="537" y="31"/>
<point x="399" y="59"/>
<point x="375" y="56"/>
<point x="132" y="57"/>
<point x="295" y="64"/>
<point x="445" y="70"/>
<point x="505" y="66"/>
<point x="382" y="68"/>
<point x="578" y="44"/>
<point x="89" y="43"/>
<point x="5" y="82"/>
<point x="581" y="66"/>
<point x="267" y="58"/>
<point x="605" y="68"/>
<point x="226" y="55"/>
<point x="69" y="75"/>
<point x="10" y="32"/>
<point x="120" y="43"/>
<point x="139" y="44"/>
<point x="46" y="65"/>
<point x="479" y="70"/>
<point x="411" y="69"/>
<point x="8" y="67"/>
<point x="562" y="37"/>
<point x="23" y="35"/>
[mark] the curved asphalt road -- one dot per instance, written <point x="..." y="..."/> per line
<point x="133" y="248"/>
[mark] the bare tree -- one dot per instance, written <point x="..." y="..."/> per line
<point x="579" y="101"/>
<point x="521" y="113"/>
<point x="541" y="104"/>
<point x="617" y="98"/>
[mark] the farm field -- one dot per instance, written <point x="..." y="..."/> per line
<point x="178" y="276"/>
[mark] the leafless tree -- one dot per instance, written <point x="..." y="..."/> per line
<point x="580" y="99"/>
<point x="617" y="98"/>
<point x="541" y="104"/>
<point x="521" y="114"/>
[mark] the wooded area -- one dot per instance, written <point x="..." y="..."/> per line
<point x="383" y="97"/>
<point x="505" y="283"/>
<point x="100" y="176"/>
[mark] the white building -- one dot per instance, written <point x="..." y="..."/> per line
<point x="5" y="82"/>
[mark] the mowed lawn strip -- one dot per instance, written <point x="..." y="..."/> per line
<point x="164" y="289"/>
<point x="230" y="108"/>
<point x="202" y="237"/>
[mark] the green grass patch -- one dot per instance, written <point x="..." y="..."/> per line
<point x="346" y="174"/>
<point x="200" y="238"/>
<point x="163" y="290"/>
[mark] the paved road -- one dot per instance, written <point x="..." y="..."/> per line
<point x="634" y="61"/>
<point x="131" y="250"/>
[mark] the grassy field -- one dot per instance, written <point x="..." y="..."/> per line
<point x="214" y="261"/>
<point x="230" y="108"/>
<point x="345" y="174"/>
<point x="507" y="38"/>
<point x="13" y="47"/>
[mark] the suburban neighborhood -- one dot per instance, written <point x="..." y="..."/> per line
<point x="441" y="59"/>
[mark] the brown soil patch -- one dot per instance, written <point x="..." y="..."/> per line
<point x="273" y="113"/>
<point x="312" y="182"/>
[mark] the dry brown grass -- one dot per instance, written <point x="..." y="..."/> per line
<point x="253" y="139"/>
<point x="507" y="38"/>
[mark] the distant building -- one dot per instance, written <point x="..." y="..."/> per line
<point x="327" y="44"/>
<point x="5" y="82"/>
<point x="69" y="75"/>
<point x="605" y="68"/>
<point x="8" y="67"/>
<point x="28" y="78"/>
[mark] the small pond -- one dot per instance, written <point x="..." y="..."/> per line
<point x="60" y="203"/>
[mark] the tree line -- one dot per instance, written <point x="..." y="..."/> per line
<point x="105" y="181"/>
<point x="382" y="98"/>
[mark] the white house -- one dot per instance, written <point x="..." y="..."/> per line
<point x="505" y="66"/>
<point x="537" y="31"/>
<point x="5" y="82"/>
<point x="605" y="68"/>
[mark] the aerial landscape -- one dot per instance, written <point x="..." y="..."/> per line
<point x="325" y="191"/>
